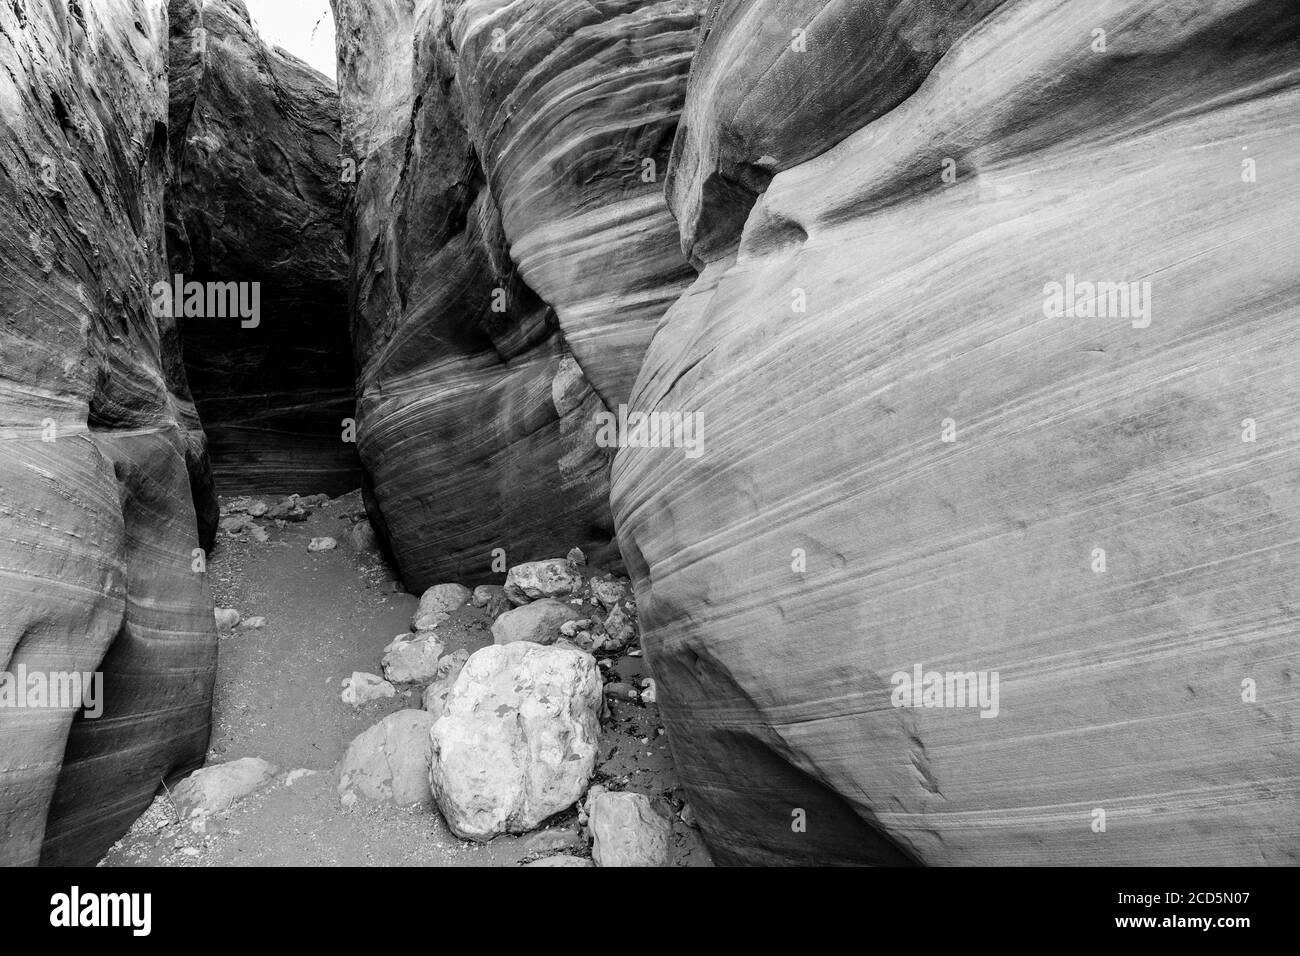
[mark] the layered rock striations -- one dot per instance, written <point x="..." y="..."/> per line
<point x="980" y="551"/>
<point x="828" y="67"/>
<point x="257" y="198"/>
<point x="511" y="254"/>
<point x="102" y="463"/>
<point x="932" y="446"/>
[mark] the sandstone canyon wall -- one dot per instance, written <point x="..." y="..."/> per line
<point x="257" y="198"/>
<point x="912" y="458"/>
<point x="829" y="228"/>
<point x="102" y="461"/>
<point x="511" y="254"/>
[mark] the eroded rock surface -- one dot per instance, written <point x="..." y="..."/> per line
<point x="867" y="306"/>
<point x="101" y="460"/>
<point x="512" y="252"/>
<point x="913" y="462"/>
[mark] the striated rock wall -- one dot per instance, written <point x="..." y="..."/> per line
<point x="102" y="461"/>
<point x="511" y="254"/>
<point x="827" y="69"/>
<point x="915" y="458"/>
<point x="257" y="198"/>
<point x="912" y="458"/>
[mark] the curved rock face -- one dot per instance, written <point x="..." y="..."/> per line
<point x="258" y="199"/>
<point x="827" y="68"/>
<point x="99" y="538"/>
<point x="512" y="252"/>
<point x="916" y="458"/>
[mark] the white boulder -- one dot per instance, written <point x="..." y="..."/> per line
<point x="517" y="740"/>
<point x="551" y="578"/>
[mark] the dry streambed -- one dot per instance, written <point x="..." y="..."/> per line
<point x="336" y="691"/>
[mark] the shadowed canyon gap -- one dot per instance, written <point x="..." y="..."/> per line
<point x="257" y="198"/>
<point x="826" y="228"/>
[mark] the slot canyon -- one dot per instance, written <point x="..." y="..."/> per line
<point x="800" y="251"/>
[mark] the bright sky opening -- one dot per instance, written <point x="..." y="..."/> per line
<point x="304" y="28"/>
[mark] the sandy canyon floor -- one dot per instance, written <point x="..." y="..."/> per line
<point x="329" y="614"/>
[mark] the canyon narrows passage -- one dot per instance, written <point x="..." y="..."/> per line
<point x="984" y="315"/>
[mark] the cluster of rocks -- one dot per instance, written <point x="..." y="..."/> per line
<point x="555" y="602"/>
<point x="240" y="516"/>
<point x="508" y="737"/>
<point x="291" y="508"/>
<point x="248" y="518"/>
<point x="229" y="618"/>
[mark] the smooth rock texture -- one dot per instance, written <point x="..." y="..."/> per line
<point x="911" y="464"/>
<point x="775" y="83"/>
<point x="389" y="762"/>
<point x="538" y="622"/>
<point x="105" y="492"/>
<point x="517" y="739"/>
<point x="626" y="831"/>
<point x="257" y="197"/>
<point x="509" y="260"/>
<point x="437" y="603"/>
<point x="213" y="790"/>
<point x="829" y="538"/>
